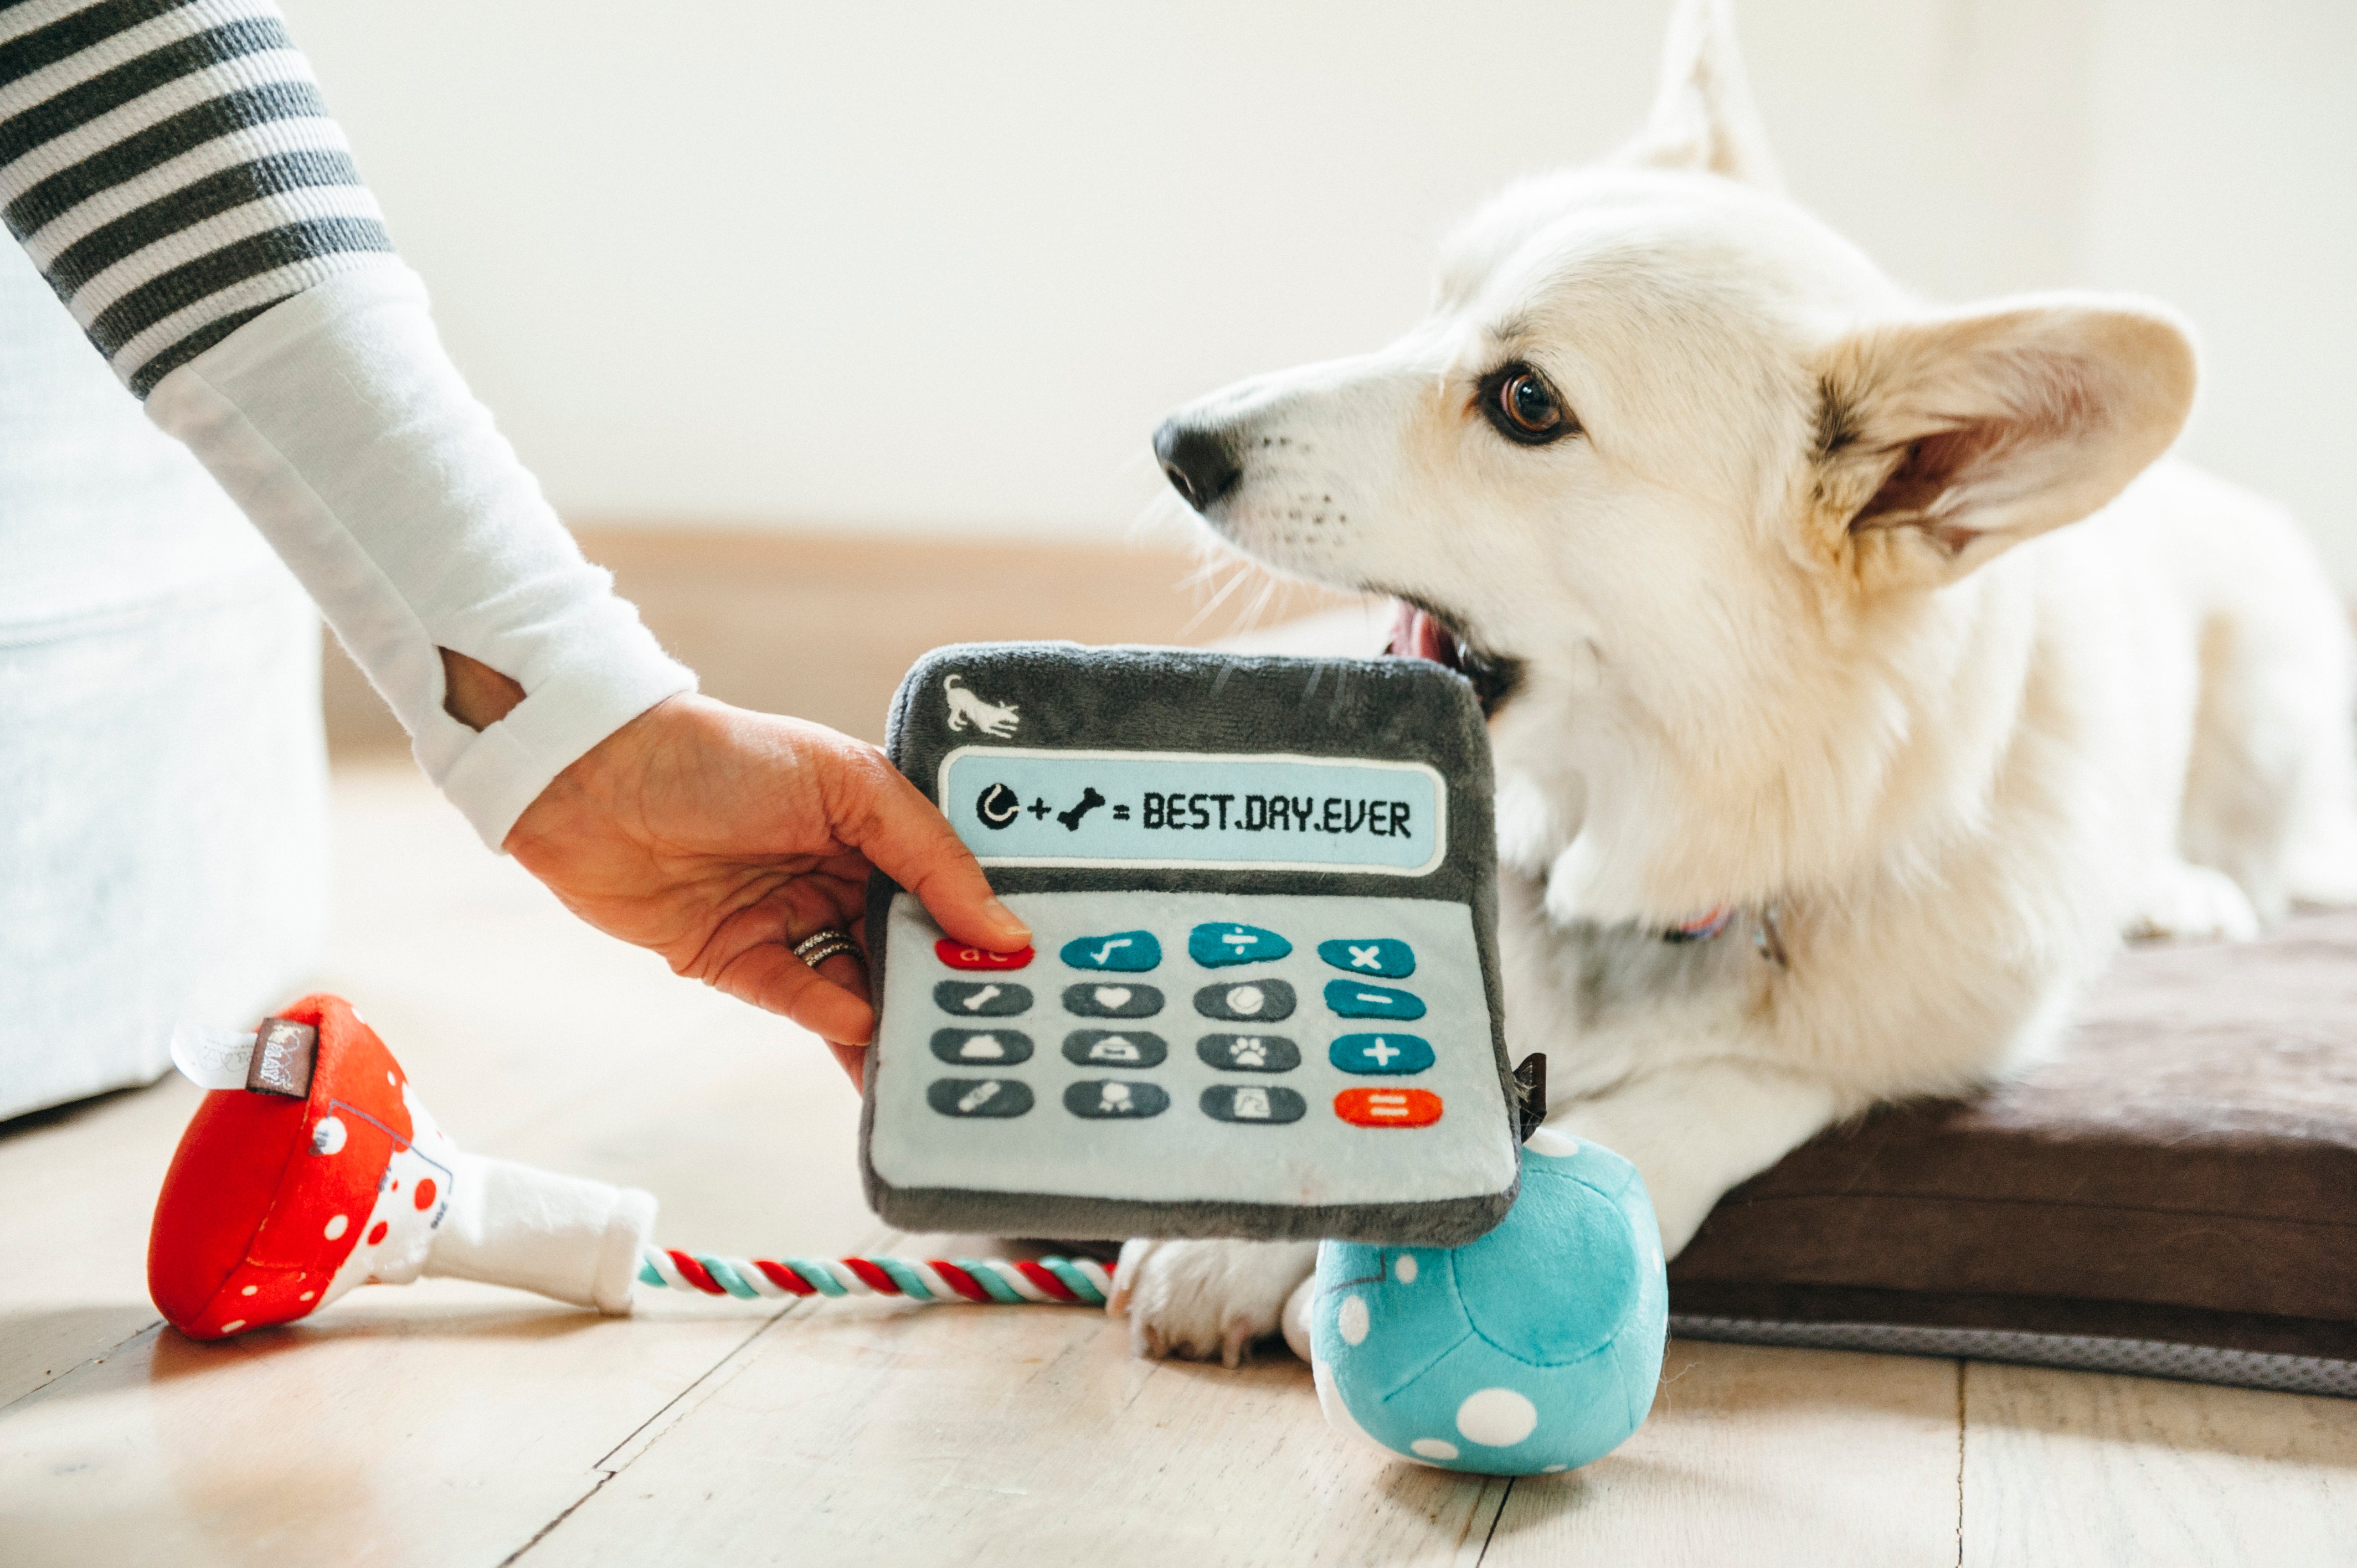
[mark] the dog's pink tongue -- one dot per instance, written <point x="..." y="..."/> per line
<point x="1403" y="618"/>
<point x="1415" y="634"/>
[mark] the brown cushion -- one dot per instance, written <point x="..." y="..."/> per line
<point x="2176" y="1193"/>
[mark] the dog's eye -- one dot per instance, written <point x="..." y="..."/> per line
<point x="1523" y="406"/>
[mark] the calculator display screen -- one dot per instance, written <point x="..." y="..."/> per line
<point x="1248" y="811"/>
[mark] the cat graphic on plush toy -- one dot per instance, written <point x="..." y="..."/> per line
<point x="966" y="708"/>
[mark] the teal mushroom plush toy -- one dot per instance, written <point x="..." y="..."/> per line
<point x="1532" y="1349"/>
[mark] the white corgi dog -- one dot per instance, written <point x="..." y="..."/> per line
<point x="1859" y="670"/>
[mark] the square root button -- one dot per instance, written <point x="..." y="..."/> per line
<point x="1388" y="1107"/>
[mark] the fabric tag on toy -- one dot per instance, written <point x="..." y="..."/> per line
<point x="277" y="1060"/>
<point x="281" y="1062"/>
<point x="212" y="1058"/>
<point x="1530" y="1087"/>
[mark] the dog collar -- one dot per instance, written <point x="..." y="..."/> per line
<point x="1765" y="937"/>
<point x="1703" y="928"/>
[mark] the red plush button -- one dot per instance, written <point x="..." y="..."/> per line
<point x="1388" y="1107"/>
<point x="960" y="956"/>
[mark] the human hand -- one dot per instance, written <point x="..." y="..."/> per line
<point x="719" y="838"/>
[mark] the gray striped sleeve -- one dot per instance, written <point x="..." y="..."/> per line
<point x="171" y="169"/>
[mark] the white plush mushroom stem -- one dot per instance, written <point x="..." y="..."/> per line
<point x="566" y="1236"/>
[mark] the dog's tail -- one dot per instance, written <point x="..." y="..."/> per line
<point x="951" y="683"/>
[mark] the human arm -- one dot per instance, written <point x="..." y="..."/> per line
<point x="173" y="171"/>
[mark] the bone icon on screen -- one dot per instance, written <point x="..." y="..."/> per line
<point x="1088" y="801"/>
<point x="980" y="999"/>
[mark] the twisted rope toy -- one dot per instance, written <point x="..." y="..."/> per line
<point x="1048" y="1280"/>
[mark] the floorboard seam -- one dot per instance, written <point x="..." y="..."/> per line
<point x="1959" y="1463"/>
<point x="600" y="1463"/>
<point x="542" y="1533"/>
<point x="1495" y="1520"/>
<point x="145" y="1329"/>
<point x="701" y="1378"/>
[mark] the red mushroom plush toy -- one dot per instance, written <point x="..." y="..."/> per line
<point x="322" y="1172"/>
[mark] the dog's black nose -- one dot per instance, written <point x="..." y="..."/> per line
<point x="1197" y="462"/>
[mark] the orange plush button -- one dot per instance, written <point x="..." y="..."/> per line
<point x="960" y="956"/>
<point x="1388" y="1107"/>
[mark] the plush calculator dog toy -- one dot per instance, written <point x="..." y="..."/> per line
<point x="1263" y="1000"/>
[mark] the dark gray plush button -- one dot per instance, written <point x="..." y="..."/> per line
<point x="978" y="1096"/>
<point x="1103" y="1000"/>
<point x="981" y="998"/>
<point x="1246" y="1001"/>
<point x="1115" y="1047"/>
<point x="1249" y="1052"/>
<point x="1269" y="1102"/>
<point x="1111" y="1100"/>
<point x="987" y="1046"/>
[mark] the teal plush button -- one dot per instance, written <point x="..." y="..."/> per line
<point x="1391" y="1055"/>
<point x="1127" y="952"/>
<point x="1216" y="946"/>
<point x="1357" y="999"/>
<point x="1383" y="957"/>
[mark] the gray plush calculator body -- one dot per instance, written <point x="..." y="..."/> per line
<point x="1261" y="998"/>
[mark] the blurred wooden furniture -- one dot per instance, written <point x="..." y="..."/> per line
<point x="823" y="627"/>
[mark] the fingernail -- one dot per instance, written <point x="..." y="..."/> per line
<point x="1006" y="921"/>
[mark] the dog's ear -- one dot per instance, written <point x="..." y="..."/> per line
<point x="1703" y="116"/>
<point x="1945" y="441"/>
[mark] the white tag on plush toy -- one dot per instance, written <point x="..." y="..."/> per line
<point x="212" y="1058"/>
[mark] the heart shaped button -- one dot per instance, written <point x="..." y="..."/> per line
<point x="1112" y="996"/>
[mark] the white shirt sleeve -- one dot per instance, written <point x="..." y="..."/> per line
<point x="173" y="171"/>
<point x="338" y="423"/>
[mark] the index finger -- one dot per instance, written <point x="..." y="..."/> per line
<point x="903" y="836"/>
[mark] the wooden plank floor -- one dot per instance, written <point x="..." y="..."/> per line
<point x="448" y="1423"/>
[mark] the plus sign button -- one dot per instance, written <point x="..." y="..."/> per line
<point x="1393" y="1056"/>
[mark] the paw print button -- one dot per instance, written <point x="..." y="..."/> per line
<point x="1249" y="1052"/>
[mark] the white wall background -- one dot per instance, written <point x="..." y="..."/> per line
<point x="939" y="267"/>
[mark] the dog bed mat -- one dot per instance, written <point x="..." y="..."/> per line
<point x="2175" y="1194"/>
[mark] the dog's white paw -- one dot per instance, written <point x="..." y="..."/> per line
<point x="1206" y="1300"/>
<point x="2192" y="903"/>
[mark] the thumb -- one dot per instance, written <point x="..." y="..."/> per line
<point x="902" y="835"/>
